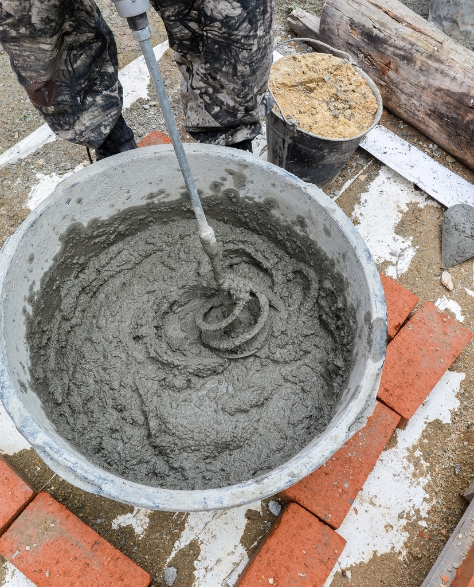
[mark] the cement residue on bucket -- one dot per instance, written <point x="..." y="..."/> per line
<point x="117" y="359"/>
<point x="324" y="94"/>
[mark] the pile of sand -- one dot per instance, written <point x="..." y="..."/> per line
<point x="324" y="94"/>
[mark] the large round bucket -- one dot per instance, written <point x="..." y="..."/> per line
<point x="312" y="158"/>
<point x="124" y="182"/>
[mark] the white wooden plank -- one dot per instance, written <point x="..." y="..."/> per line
<point x="438" y="181"/>
<point x="14" y="578"/>
<point x="35" y="140"/>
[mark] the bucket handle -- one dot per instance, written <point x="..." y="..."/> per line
<point x="336" y="52"/>
<point x="332" y="50"/>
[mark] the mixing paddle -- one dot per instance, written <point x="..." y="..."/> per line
<point x="223" y="335"/>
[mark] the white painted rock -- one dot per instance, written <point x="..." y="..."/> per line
<point x="274" y="507"/>
<point x="170" y="576"/>
<point x="447" y="280"/>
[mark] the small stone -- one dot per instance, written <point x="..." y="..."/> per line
<point x="171" y="574"/>
<point x="347" y="573"/>
<point x="270" y="580"/>
<point x="100" y="520"/>
<point x="347" y="114"/>
<point x="362" y="177"/>
<point x="456" y="565"/>
<point x="445" y="579"/>
<point x="47" y="573"/>
<point x="457" y="470"/>
<point x="457" y="242"/>
<point x="27" y="547"/>
<point x="145" y="106"/>
<point x="450" y="159"/>
<point x="327" y="77"/>
<point x="447" y="280"/>
<point x="274" y="507"/>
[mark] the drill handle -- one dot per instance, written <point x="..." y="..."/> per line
<point x="131" y="8"/>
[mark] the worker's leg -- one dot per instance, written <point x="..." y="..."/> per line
<point x="65" y="57"/>
<point x="224" y="51"/>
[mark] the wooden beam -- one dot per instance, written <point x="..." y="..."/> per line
<point x="425" y="77"/>
<point x="304" y="23"/>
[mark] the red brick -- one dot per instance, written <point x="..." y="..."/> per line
<point x="52" y="547"/>
<point x="330" y="491"/>
<point x="299" y="551"/>
<point x="15" y="495"/>
<point x="418" y="357"/>
<point x="154" y="138"/>
<point x="465" y="573"/>
<point x="400" y="303"/>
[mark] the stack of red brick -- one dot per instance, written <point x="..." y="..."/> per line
<point x="52" y="547"/>
<point x="303" y="547"/>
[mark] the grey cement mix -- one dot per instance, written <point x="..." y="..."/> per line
<point x="118" y="362"/>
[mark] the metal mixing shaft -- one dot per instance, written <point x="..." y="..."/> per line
<point x="135" y="13"/>
<point x="141" y="33"/>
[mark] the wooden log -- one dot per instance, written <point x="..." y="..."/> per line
<point x="304" y="23"/>
<point x="425" y="77"/>
<point x="469" y="495"/>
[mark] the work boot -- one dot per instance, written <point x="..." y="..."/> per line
<point x="119" y="140"/>
<point x="243" y="145"/>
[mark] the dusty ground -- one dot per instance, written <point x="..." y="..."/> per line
<point x="443" y="445"/>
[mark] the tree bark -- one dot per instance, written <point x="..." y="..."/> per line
<point x="304" y="23"/>
<point x="425" y="77"/>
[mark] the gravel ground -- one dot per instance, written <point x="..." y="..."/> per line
<point x="442" y="446"/>
<point x="446" y="444"/>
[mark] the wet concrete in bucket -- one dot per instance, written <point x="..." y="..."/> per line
<point x="120" y="366"/>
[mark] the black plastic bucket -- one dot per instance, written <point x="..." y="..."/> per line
<point x="312" y="158"/>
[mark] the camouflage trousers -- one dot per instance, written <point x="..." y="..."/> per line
<point x="65" y="56"/>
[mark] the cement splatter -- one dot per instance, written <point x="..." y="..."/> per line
<point x="46" y="186"/>
<point x="392" y="494"/>
<point x="380" y="210"/>
<point x="445" y="303"/>
<point x="139" y="520"/>
<point x="11" y="577"/>
<point x="219" y="537"/>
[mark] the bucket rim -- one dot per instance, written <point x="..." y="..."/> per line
<point x="78" y="470"/>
